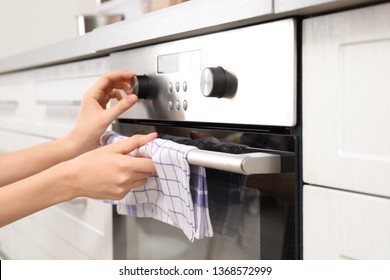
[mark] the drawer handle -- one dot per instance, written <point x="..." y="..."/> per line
<point x="9" y="102"/>
<point x="59" y="102"/>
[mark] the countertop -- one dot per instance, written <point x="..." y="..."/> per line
<point x="188" y="19"/>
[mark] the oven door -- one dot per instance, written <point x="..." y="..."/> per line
<point x="265" y="218"/>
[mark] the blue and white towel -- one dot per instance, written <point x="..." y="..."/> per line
<point x="176" y="194"/>
<point x="225" y="189"/>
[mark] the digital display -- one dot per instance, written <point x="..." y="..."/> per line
<point x="179" y="62"/>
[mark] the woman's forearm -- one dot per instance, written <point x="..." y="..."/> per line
<point x="106" y="173"/>
<point x="33" y="194"/>
<point x="21" y="164"/>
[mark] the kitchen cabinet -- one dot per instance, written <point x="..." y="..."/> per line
<point x="37" y="106"/>
<point x="58" y="93"/>
<point x="46" y="101"/>
<point x="345" y="225"/>
<point x="16" y="101"/>
<point x="311" y="6"/>
<point x="346" y="134"/>
<point x="78" y="229"/>
<point x="346" y="129"/>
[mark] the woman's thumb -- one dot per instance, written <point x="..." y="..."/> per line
<point x="123" y="105"/>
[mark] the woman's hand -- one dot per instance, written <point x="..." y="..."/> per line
<point x="108" y="172"/>
<point x="105" y="173"/>
<point x="94" y="117"/>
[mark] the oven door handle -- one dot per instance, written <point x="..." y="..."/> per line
<point x="251" y="163"/>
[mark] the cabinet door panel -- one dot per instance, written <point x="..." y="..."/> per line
<point x="346" y="120"/>
<point x="345" y="225"/>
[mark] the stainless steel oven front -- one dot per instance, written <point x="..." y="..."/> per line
<point x="237" y="86"/>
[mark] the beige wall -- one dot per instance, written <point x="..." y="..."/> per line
<point x="26" y="24"/>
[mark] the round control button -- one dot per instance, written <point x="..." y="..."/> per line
<point x="217" y="82"/>
<point x="142" y="86"/>
<point x="185" y="86"/>
<point x="170" y="105"/>
<point x="185" y="105"/>
<point x="170" y="87"/>
<point x="177" y="105"/>
<point x="177" y="86"/>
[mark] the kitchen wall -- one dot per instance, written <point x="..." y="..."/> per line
<point x="25" y="24"/>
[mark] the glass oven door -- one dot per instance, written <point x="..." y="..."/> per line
<point x="261" y="225"/>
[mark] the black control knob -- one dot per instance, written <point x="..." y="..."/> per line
<point x="141" y="86"/>
<point x="217" y="82"/>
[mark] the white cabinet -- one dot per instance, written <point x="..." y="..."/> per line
<point x="346" y="97"/>
<point x="78" y="229"/>
<point x="58" y="93"/>
<point x="46" y="101"/>
<point x="345" y="225"/>
<point x="37" y="106"/>
<point x="16" y="101"/>
<point x="346" y="134"/>
<point x="313" y="6"/>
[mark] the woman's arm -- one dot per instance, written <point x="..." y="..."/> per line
<point x="57" y="171"/>
<point x="104" y="173"/>
<point x="20" y="164"/>
<point x="91" y="124"/>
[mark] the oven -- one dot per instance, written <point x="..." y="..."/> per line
<point x="237" y="87"/>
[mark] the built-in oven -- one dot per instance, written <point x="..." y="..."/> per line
<point x="237" y="87"/>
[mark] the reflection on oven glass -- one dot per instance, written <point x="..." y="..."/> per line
<point x="260" y="226"/>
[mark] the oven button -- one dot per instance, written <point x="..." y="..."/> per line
<point x="185" y="105"/>
<point x="170" y="105"/>
<point x="177" y="105"/>
<point x="177" y="86"/>
<point x="217" y="82"/>
<point x="185" y="86"/>
<point x="170" y="87"/>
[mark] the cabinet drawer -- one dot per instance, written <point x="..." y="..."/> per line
<point x="78" y="229"/>
<point x="57" y="104"/>
<point x="58" y="94"/>
<point x="346" y="116"/>
<point x="345" y="225"/>
<point x="13" y="141"/>
<point x="16" y="101"/>
<point x="64" y="231"/>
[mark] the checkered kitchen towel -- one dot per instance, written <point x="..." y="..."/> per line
<point x="176" y="194"/>
<point x="225" y="189"/>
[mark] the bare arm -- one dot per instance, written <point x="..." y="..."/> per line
<point x="57" y="171"/>
<point x="92" y="122"/>
<point x="88" y="175"/>
<point x="20" y="164"/>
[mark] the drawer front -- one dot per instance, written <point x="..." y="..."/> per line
<point x="57" y="104"/>
<point x="346" y="116"/>
<point x="345" y="225"/>
<point x="58" y="94"/>
<point x="64" y="231"/>
<point x="13" y="141"/>
<point x="16" y="101"/>
<point x="46" y="101"/>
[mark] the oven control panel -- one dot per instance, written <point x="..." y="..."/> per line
<point x="241" y="76"/>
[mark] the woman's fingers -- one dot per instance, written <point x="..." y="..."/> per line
<point x="125" y="146"/>
<point x="112" y="80"/>
<point x="121" y="106"/>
